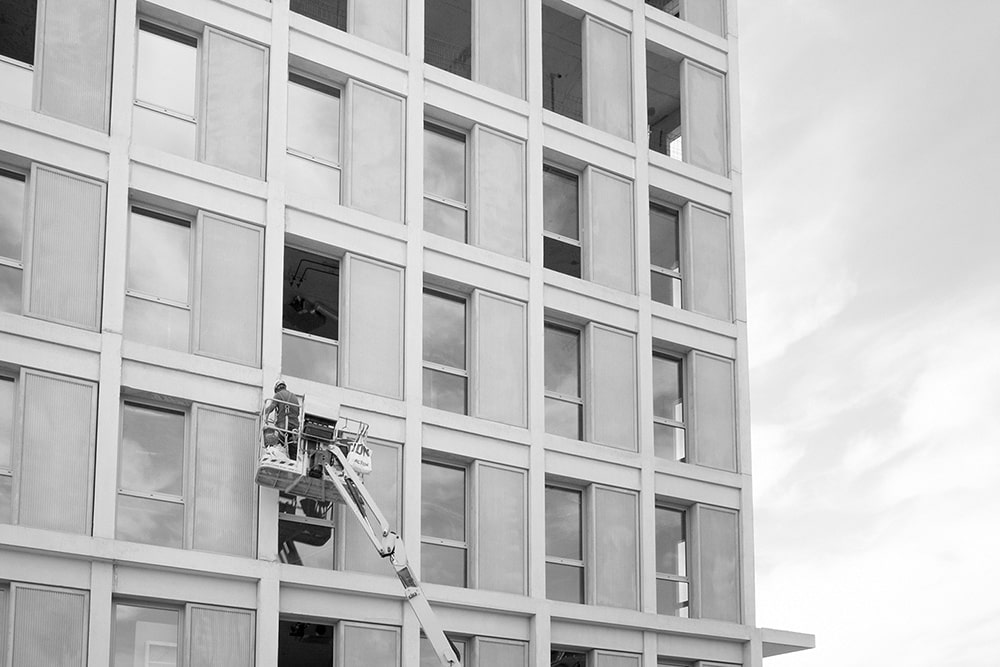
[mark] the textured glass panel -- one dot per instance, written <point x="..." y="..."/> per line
<point x="145" y="637"/>
<point x="17" y="31"/>
<point x="150" y="521"/>
<point x="710" y="271"/>
<point x="159" y="255"/>
<point x="380" y="22"/>
<point x="563" y="523"/>
<point x="166" y="72"/>
<point x="562" y="63"/>
<point x="719" y="573"/>
<point x="616" y="541"/>
<point x="444" y="330"/>
<point x="706" y="144"/>
<point x="167" y="133"/>
<point x="490" y="653"/>
<point x="501" y="541"/>
<point x="16" y="85"/>
<point x="562" y="257"/>
<point x="10" y="289"/>
<point x="502" y="360"/>
<point x="6" y="421"/>
<point x="445" y="220"/>
<point x="564" y="582"/>
<point x="374" y="328"/>
<point x="663" y="239"/>
<point x="314" y="122"/>
<point x="384" y="484"/>
<point x="563" y="418"/>
<point x="375" y="162"/>
<point x="221" y="638"/>
<point x="306" y="544"/>
<point x="225" y="496"/>
<point x="331" y="12"/>
<point x="715" y="412"/>
<point x="11" y="216"/>
<point x="610" y="248"/>
<point x="157" y="324"/>
<point x="613" y="404"/>
<point x="666" y="289"/>
<point x="50" y="628"/>
<point x="672" y="598"/>
<point x="500" y="190"/>
<point x="312" y="178"/>
<point x="448" y="35"/>
<point x="309" y="359"/>
<point x="371" y="646"/>
<point x="305" y="644"/>
<point x="443" y="565"/>
<point x="671" y="541"/>
<point x="561" y="209"/>
<point x="445" y="391"/>
<point x="152" y="456"/>
<point x="444" y="164"/>
<point x="667" y="393"/>
<point x="707" y="14"/>
<point x="668" y="442"/>
<point x="57" y="447"/>
<point x="442" y="509"/>
<point x="609" y="79"/>
<point x="562" y="361"/>
<point x="6" y="486"/>
<point x="500" y="45"/>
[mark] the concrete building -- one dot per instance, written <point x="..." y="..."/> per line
<point x="505" y="233"/>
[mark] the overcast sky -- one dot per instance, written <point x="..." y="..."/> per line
<point x="871" y="146"/>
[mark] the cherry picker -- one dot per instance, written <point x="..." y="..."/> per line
<point x="325" y="461"/>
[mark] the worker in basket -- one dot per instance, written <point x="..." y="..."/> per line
<point x="282" y="434"/>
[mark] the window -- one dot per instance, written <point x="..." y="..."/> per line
<point x="162" y="500"/>
<point x="444" y="543"/>
<point x="33" y="491"/>
<point x="561" y="221"/>
<point x="481" y="498"/>
<point x="166" y="85"/>
<point x="17" y="30"/>
<point x="668" y="408"/>
<point x="489" y="50"/>
<point x="210" y="307"/>
<point x="446" y="208"/>
<point x="382" y="23"/>
<point x="479" y="652"/>
<point x="707" y="14"/>
<point x="664" y="255"/>
<point x="445" y="357"/>
<point x="310" y="643"/>
<point x="326" y="535"/>
<point x="563" y="386"/>
<point x="583" y="54"/>
<point x="314" y="112"/>
<point x="567" y="658"/>
<point x="310" y="316"/>
<point x="43" y="625"/>
<point x="564" y="561"/>
<point x="717" y="592"/>
<point x="686" y="115"/>
<point x="154" y="635"/>
<point x="672" y="583"/>
<point x="12" y="217"/>
<point x="225" y="126"/>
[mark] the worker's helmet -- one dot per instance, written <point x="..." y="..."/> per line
<point x="280" y="384"/>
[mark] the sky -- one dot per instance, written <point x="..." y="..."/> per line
<point x="871" y="162"/>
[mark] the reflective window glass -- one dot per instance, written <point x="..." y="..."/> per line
<point x="152" y="453"/>
<point x="564" y="582"/>
<point x="445" y="220"/>
<point x="442" y="509"/>
<point x="145" y="637"/>
<point x="561" y="202"/>
<point x="563" y="523"/>
<point x="306" y="544"/>
<point x="668" y="401"/>
<point x="6" y="486"/>
<point x="10" y="289"/>
<point x="150" y="521"/>
<point x="444" y="330"/>
<point x="563" y="418"/>
<point x="672" y="598"/>
<point x="671" y="541"/>
<point x="17" y="30"/>
<point x="445" y="391"/>
<point x="444" y="163"/>
<point x="311" y="294"/>
<point x="663" y="238"/>
<point x="562" y="361"/>
<point x="428" y="658"/>
<point x="313" y="118"/>
<point x="166" y="69"/>
<point x="165" y="132"/>
<point x="157" y="324"/>
<point x="12" y="187"/>
<point x="442" y="564"/>
<point x="159" y="256"/>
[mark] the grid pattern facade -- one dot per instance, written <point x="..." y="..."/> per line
<point x="506" y="234"/>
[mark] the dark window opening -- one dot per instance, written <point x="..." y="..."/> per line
<point x="310" y="294"/>
<point x="331" y="12"/>
<point x="663" y="96"/>
<point x="302" y="644"/>
<point x="560" y="658"/>
<point x="561" y="213"/>
<point x="448" y="36"/>
<point x="17" y="30"/>
<point x="562" y="63"/>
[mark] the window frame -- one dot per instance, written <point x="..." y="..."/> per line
<point x="458" y="297"/>
<point x="686" y="610"/>
<point x="313" y="338"/>
<point x="686" y="394"/>
<point x="24" y="176"/>
<point x="565" y="172"/>
<point x="466" y="545"/>
<point x="164" y="215"/>
<point x="181" y="36"/>
<point x="185" y="500"/>
<point x="453" y="132"/>
<point x="585" y="540"/>
<point x="300" y="78"/>
<point x="579" y="400"/>
<point x="676" y="276"/>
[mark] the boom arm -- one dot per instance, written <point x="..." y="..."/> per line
<point x="389" y="545"/>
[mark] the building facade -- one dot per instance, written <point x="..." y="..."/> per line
<point x="507" y="234"/>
